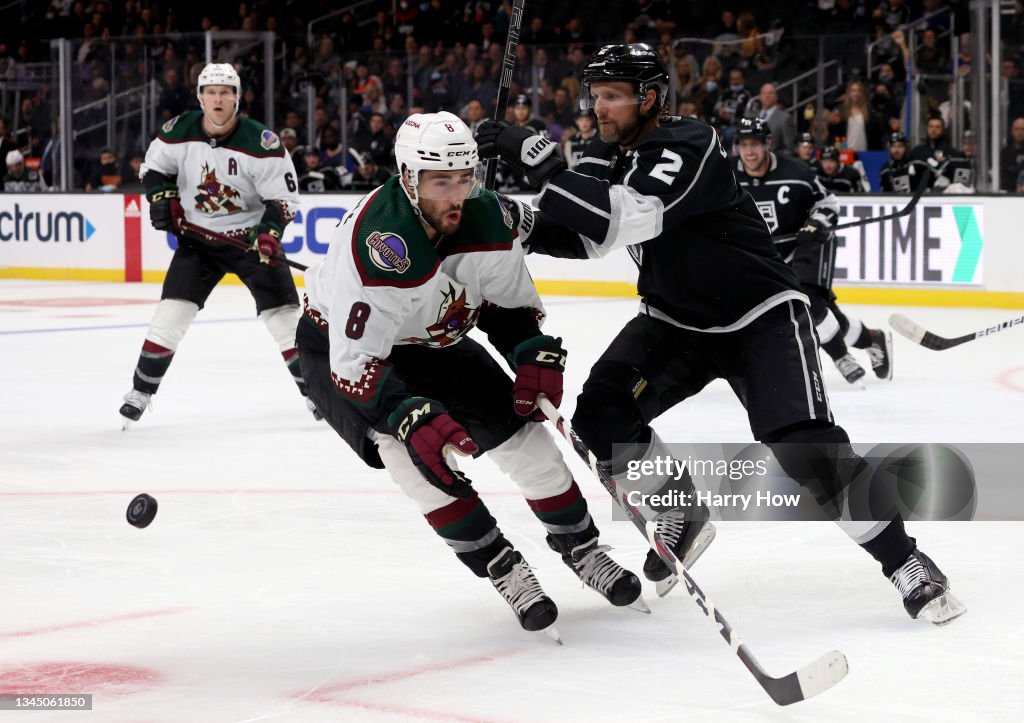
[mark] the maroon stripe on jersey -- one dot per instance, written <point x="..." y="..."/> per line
<point x="290" y="355"/>
<point x="558" y="502"/>
<point x="473" y="248"/>
<point x="458" y="510"/>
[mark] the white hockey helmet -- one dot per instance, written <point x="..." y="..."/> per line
<point x="433" y="142"/>
<point x="14" y="158"/>
<point x="219" y="74"/>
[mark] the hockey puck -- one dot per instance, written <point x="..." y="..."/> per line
<point x="141" y="511"/>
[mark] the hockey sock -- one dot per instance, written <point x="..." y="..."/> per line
<point x="858" y="336"/>
<point x="281" y="322"/>
<point x="170" y="322"/>
<point x="564" y="514"/>
<point x="470" y="530"/>
<point x="291" y="359"/>
<point x="890" y="546"/>
<point x="830" y="334"/>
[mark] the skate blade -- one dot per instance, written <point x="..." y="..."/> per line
<point x="552" y="632"/>
<point x="125" y="423"/>
<point x="942" y="610"/>
<point x="640" y="605"/>
<point x="703" y="540"/>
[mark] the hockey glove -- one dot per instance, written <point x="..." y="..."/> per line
<point x="539" y="363"/>
<point x="524" y="149"/>
<point x="428" y="432"/>
<point x="165" y="209"/>
<point x="266" y="240"/>
<point x="813" y="232"/>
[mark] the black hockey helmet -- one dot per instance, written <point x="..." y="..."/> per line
<point x="830" y="153"/>
<point x="897" y="137"/>
<point x="805" y="138"/>
<point x="753" y="128"/>
<point x="523" y="99"/>
<point x="636" y="63"/>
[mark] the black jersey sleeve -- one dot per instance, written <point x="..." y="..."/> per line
<point x="678" y="172"/>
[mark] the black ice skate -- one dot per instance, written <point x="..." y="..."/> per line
<point x="850" y="369"/>
<point x="312" y="408"/>
<point x="135" y="403"/>
<point x="514" y="579"/>
<point x="686" y="538"/>
<point x="599" y="572"/>
<point x="925" y="590"/>
<point x="880" y="353"/>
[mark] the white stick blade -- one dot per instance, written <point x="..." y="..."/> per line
<point x="823" y="673"/>
<point x="907" y="328"/>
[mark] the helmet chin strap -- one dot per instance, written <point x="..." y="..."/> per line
<point x="214" y="123"/>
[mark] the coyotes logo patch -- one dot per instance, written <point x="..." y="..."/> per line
<point x="455" y="317"/>
<point x="216" y="198"/>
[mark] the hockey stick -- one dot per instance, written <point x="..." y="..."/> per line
<point x="191" y="229"/>
<point x="919" y="335"/>
<point x="505" y="84"/>
<point x="801" y="684"/>
<point x="922" y="186"/>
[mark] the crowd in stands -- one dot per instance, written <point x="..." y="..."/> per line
<point x="370" y="68"/>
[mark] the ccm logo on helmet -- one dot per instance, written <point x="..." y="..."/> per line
<point x="457" y="154"/>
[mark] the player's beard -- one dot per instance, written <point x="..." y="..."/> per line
<point x="439" y="219"/>
<point x="617" y="131"/>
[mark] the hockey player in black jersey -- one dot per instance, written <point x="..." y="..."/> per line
<point x="805" y="149"/>
<point x="717" y="301"/>
<point x="898" y="174"/>
<point x="838" y="177"/>
<point x="792" y="200"/>
<point x="585" y="131"/>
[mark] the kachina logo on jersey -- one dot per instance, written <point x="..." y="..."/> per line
<point x="49" y="226"/>
<point x="388" y="252"/>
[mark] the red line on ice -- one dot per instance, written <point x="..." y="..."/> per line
<point x="414" y="713"/>
<point x="93" y="623"/>
<point x="1006" y="378"/>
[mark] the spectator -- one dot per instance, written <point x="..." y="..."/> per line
<point x="397" y="112"/>
<point x="132" y="178"/>
<point x="105" y="176"/>
<point x="893" y="13"/>
<point x="562" y="113"/>
<point x="395" y="79"/>
<point x="865" y="130"/>
<point x="537" y="34"/>
<point x="19" y="179"/>
<point x="375" y="143"/>
<point x="783" y="127"/>
<point x="1010" y="70"/>
<point x="331" y="152"/>
<point x="366" y="176"/>
<point x="479" y="86"/>
<point x="290" y="141"/>
<point x="685" y="77"/>
<point x="932" y="60"/>
<point x="707" y="90"/>
<point x="7" y="143"/>
<point x="730" y="105"/>
<point x="474" y="114"/>
<point x="317" y="178"/>
<point x="934" y="148"/>
<point x="725" y="35"/>
<point x="1011" y="160"/>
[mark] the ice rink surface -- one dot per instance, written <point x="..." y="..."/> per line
<point x="284" y="581"/>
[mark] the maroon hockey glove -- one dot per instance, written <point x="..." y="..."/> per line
<point x="266" y="240"/>
<point x="539" y="363"/>
<point x="522" y="148"/>
<point x="428" y="432"/>
<point x="813" y="231"/>
<point x="165" y="209"/>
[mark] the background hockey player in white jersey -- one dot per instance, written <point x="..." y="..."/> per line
<point x="232" y="175"/>
<point x="793" y="200"/>
<point x="717" y="302"/>
<point x="411" y="269"/>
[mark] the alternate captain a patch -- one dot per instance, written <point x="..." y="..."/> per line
<point x="388" y="251"/>
<point x="215" y="197"/>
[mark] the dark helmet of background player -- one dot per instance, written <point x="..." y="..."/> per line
<point x="580" y="113"/>
<point x="636" y="63"/>
<point x="755" y="128"/>
<point x="805" y="138"/>
<point x="523" y="99"/>
<point x="830" y="153"/>
<point x="897" y="145"/>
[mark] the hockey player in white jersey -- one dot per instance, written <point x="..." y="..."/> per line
<point x="232" y="175"/>
<point x="412" y="268"/>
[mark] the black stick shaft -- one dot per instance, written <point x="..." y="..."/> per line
<point x="505" y="84"/>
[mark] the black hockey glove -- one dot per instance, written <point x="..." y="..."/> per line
<point x="539" y="363"/>
<point x="524" y="149"/>
<point x="165" y="209"/>
<point x="813" y="232"/>
<point x="428" y="432"/>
